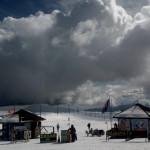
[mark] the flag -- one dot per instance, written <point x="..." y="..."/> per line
<point x="11" y="111"/>
<point x="106" y="106"/>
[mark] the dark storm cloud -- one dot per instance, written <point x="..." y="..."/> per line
<point x="43" y="56"/>
<point x="128" y="59"/>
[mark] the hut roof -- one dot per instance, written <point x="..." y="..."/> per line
<point x="28" y="115"/>
<point x="21" y="115"/>
<point x="135" y="111"/>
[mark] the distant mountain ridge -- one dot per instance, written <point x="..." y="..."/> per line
<point x="62" y="108"/>
<point x="51" y="108"/>
<point x="114" y="108"/>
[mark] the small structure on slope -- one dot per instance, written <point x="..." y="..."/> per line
<point x="21" y="125"/>
<point x="133" y="122"/>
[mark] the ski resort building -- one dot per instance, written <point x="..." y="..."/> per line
<point x="133" y="122"/>
<point x="19" y="124"/>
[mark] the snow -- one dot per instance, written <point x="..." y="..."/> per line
<point x="80" y="121"/>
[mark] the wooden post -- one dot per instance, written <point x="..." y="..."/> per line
<point x="130" y="127"/>
<point x="148" y="138"/>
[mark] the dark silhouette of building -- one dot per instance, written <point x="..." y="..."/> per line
<point x="19" y="122"/>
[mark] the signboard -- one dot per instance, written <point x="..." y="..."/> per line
<point x="139" y="124"/>
<point x="27" y="135"/>
<point x="118" y="134"/>
<point x="47" y="138"/>
<point x="64" y="136"/>
<point x="20" y="128"/>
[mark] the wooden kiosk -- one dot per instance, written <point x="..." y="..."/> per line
<point x="20" y="124"/>
<point x="133" y="122"/>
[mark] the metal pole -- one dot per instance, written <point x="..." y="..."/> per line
<point x="40" y="116"/>
<point x="110" y="111"/>
<point x="69" y="114"/>
<point x="57" y="109"/>
<point x="58" y="126"/>
<point x="40" y="110"/>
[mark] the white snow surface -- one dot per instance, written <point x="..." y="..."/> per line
<point x="83" y="143"/>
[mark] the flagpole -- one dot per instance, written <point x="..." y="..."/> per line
<point x="110" y="111"/>
<point x="69" y="115"/>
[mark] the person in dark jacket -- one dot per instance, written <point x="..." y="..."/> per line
<point x="73" y="133"/>
<point x="89" y="126"/>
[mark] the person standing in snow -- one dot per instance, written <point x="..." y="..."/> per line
<point x="73" y="133"/>
<point x="89" y="126"/>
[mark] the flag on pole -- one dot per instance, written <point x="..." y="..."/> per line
<point x="106" y="106"/>
<point x="11" y="111"/>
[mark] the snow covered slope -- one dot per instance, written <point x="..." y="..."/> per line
<point x="84" y="143"/>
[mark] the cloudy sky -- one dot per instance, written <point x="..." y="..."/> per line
<point x="74" y="52"/>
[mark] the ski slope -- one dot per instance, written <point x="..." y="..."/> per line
<point x="84" y="143"/>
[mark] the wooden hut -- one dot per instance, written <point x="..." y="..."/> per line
<point x="15" y="125"/>
<point x="133" y="122"/>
